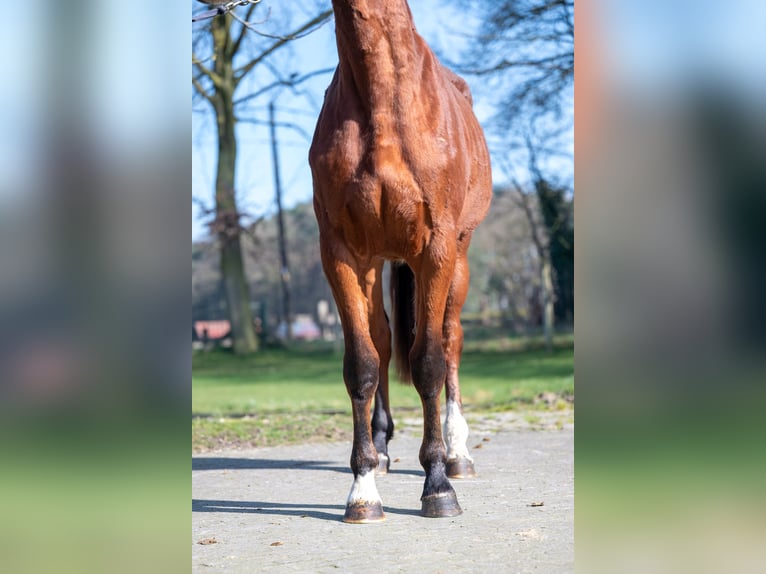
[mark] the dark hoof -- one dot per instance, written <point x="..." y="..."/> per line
<point x="440" y="505"/>
<point x="460" y="468"/>
<point x="364" y="513"/>
<point x="384" y="463"/>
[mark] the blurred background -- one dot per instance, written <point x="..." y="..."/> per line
<point x="94" y="216"/>
<point x="670" y="274"/>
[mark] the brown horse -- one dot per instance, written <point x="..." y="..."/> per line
<point x="401" y="173"/>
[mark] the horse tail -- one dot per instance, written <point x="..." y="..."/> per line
<point x="403" y="311"/>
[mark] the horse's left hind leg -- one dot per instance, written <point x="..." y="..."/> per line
<point x="459" y="461"/>
<point x="382" y="428"/>
<point x="382" y="423"/>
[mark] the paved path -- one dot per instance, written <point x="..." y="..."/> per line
<point x="279" y="510"/>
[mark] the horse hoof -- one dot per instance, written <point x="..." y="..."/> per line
<point x="440" y="505"/>
<point x="364" y="513"/>
<point x="460" y="468"/>
<point x="384" y="464"/>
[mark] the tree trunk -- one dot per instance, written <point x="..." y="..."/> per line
<point x="546" y="277"/>
<point x="546" y="269"/>
<point x="284" y="271"/>
<point x="243" y="335"/>
<point x="217" y="86"/>
<point x="232" y="268"/>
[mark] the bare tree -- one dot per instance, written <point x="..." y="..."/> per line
<point x="527" y="48"/>
<point x="549" y="219"/>
<point x="218" y="75"/>
<point x="542" y="246"/>
<point x="525" y="54"/>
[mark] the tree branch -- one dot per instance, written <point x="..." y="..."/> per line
<point x="288" y="125"/>
<point x="534" y="230"/>
<point x="254" y="30"/>
<point x="548" y="63"/>
<point x="292" y="82"/>
<point x="215" y="78"/>
<point x="308" y="26"/>
<point x="201" y="90"/>
<point x="238" y="41"/>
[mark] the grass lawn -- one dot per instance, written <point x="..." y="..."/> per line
<point x="279" y="396"/>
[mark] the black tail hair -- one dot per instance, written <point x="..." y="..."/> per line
<point x="403" y="311"/>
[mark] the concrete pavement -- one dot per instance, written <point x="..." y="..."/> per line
<point x="280" y="509"/>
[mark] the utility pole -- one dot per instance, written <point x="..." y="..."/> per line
<point x="284" y="272"/>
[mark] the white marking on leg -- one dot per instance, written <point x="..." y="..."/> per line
<point x="383" y="459"/>
<point x="364" y="491"/>
<point x="455" y="432"/>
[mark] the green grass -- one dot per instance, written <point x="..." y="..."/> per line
<point x="279" y="396"/>
<point x="270" y="381"/>
<point x="269" y="430"/>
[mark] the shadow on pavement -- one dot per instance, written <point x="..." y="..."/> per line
<point x="284" y="509"/>
<point x="225" y="463"/>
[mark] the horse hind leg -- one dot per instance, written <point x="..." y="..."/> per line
<point x="459" y="461"/>
<point x="382" y="430"/>
<point x="382" y="422"/>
